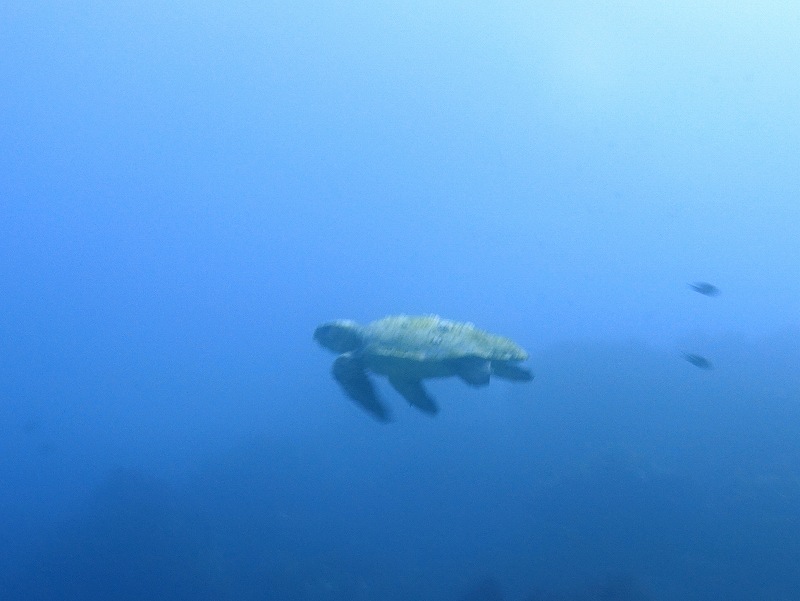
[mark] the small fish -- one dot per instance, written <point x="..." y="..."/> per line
<point x="698" y="361"/>
<point x="705" y="288"/>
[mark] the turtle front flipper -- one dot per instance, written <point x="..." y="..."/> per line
<point x="350" y="374"/>
<point x="414" y="392"/>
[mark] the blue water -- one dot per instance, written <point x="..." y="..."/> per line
<point x="188" y="189"/>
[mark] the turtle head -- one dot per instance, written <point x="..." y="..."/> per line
<point x="340" y="336"/>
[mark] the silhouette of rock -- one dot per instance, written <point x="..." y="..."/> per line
<point x="135" y="540"/>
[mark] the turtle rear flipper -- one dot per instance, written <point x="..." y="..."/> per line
<point x="350" y="374"/>
<point x="475" y="371"/>
<point x="414" y="392"/>
<point x="510" y="371"/>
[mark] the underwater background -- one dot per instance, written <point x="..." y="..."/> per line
<point x="188" y="189"/>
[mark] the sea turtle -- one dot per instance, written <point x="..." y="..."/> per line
<point x="407" y="349"/>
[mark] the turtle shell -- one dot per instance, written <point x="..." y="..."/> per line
<point x="430" y="338"/>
